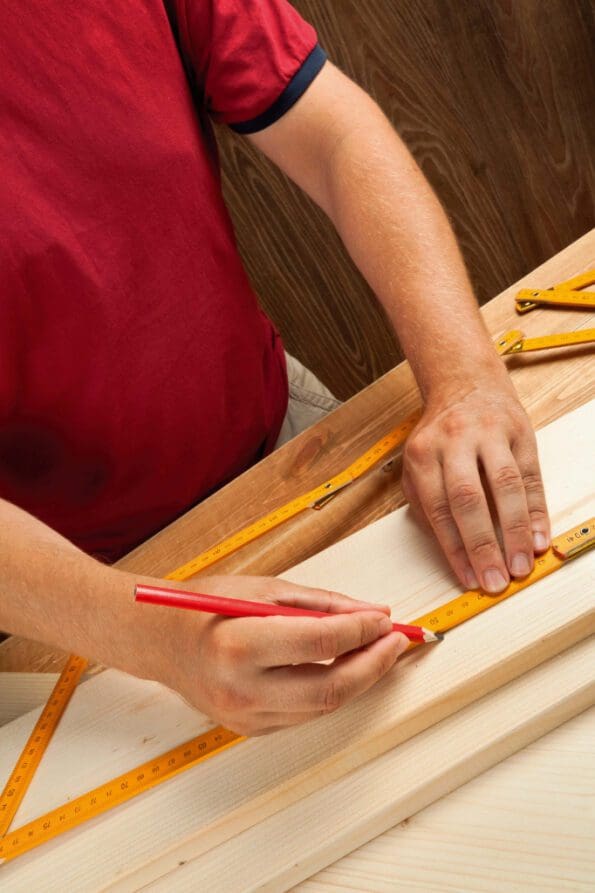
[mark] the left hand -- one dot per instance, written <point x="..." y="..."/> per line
<point x="473" y="443"/>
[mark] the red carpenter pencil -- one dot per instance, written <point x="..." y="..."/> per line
<point x="237" y="607"/>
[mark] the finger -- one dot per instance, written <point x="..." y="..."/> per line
<point x="528" y="463"/>
<point x="279" y="641"/>
<point x="273" y="721"/>
<point x="435" y="504"/>
<point x="323" y="600"/>
<point x="506" y="484"/>
<point x="411" y="495"/>
<point x="312" y="688"/>
<point x="263" y="722"/>
<point x="469" y="507"/>
<point x="278" y="591"/>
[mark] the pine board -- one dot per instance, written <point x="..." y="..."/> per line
<point x="22" y="692"/>
<point x="526" y="825"/>
<point x="116" y="722"/>
<point x="389" y="789"/>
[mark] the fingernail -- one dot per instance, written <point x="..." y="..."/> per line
<point x="520" y="566"/>
<point x="539" y="541"/>
<point x="493" y="581"/>
<point x="471" y="581"/>
<point x="384" y="626"/>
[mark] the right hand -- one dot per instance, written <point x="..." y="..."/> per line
<point x="255" y="675"/>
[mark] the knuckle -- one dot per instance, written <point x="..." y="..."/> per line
<point x="465" y="497"/>
<point x="325" y="643"/>
<point x="482" y="546"/>
<point x="458" y="553"/>
<point x="334" y="694"/>
<point x="533" y="482"/>
<point x="417" y="449"/>
<point x="521" y="425"/>
<point x="385" y="663"/>
<point x="329" y="597"/>
<point x="438" y="512"/>
<point x="228" y="649"/>
<point x="367" y="631"/>
<point x="516" y="526"/>
<point x="455" y="424"/>
<point x="507" y="478"/>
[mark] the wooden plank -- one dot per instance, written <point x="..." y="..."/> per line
<point x="527" y="824"/>
<point x="394" y="786"/>
<point x="22" y="692"/>
<point x="548" y="385"/>
<point x="246" y="784"/>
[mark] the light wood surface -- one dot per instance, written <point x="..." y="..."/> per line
<point x="115" y="722"/>
<point x="388" y="790"/>
<point x="527" y="825"/>
<point x="548" y="384"/>
<point x="22" y="692"/>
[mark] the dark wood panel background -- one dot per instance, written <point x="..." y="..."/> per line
<point x="496" y="100"/>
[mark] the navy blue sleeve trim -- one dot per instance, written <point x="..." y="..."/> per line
<point x="295" y="88"/>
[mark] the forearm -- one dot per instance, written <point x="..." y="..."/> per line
<point x="339" y="147"/>
<point x="56" y="594"/>
<point x="240" y="671"/>
<point x="400" y="238"/>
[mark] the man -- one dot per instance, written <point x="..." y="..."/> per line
<point x="138" y="373"/>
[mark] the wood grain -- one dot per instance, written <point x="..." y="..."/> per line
<point x="501" y="833"/>
<point x="495" y="101"/>
<point x="548" y="385"/>
<point x="391" y="788"/>
<point x="22" y="692"/>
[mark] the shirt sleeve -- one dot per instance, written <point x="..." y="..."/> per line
<point x="251" y="59"/>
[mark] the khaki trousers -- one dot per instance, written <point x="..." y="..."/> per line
<point x="309" y="401"/>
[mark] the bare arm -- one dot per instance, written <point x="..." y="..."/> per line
<point x="340" y="148"/>
<point x="238" y="671"/>
<point x="56" y="594"/>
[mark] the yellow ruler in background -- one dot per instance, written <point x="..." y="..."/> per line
<point x="564" y="295"/>
<point x="546" y="342"/>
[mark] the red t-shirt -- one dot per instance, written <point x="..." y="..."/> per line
<point x="137" y="372"/>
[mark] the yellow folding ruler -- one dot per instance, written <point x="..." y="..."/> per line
<point x="566" y="294"/>
<point x="516" y="342"/>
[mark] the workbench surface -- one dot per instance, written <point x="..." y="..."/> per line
<point x="526" y="825"/>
